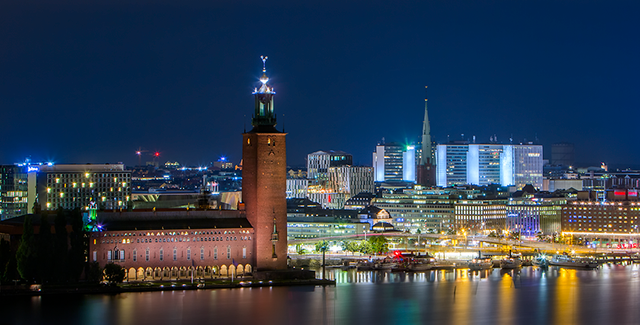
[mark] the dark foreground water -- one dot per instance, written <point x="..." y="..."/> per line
<point x="610" y="295"/>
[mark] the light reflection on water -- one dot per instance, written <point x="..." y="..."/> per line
<point x="528" y="296"/>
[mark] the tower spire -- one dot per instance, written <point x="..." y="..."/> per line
<point x="264" y="63"/>
<point x="426" y="134"/>
<point x="264" y="117"/>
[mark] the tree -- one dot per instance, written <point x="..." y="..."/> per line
<point x="61" y="246"/>
<point x="45" y="249"/>
<point x="79" y="246"/>
<point x="300" y="250"/>
<point x="5" y="256"/>
<point x="378" y="244"/>
<point x="95" y="273"/>
<point x="322" y="246"/>
<point x="113" y="273"/>
<point x="26" y="256"/>
<point x="350" y="246"/>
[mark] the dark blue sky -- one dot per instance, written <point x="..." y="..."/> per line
<point x="91" y="81"/>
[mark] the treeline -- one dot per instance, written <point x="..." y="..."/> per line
<point x="48" y="257"/>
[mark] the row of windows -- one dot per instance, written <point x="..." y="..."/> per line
<point x="174" y="233"/>
<point x="119" y="254"/>
<point x="175" y="240"/>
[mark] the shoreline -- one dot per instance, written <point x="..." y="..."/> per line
<point x="103" y="289"/>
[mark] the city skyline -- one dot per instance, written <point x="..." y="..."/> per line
<point x="92" y="82"/>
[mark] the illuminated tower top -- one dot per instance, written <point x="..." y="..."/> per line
<point x="264" y="119"/>
<point x="426" y="135"/>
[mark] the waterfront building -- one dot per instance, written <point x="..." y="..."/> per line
<point x="480" y="215"/>
<point x="319" y="162"/>
<point x="264" y="180"/>
<point x="483" y="164"/>
<point x="616" y="216"/>
<point x="71" y="186"/>
<point x="418" y="209"/>
<point x="174" y="244"/>
<point x="17" y="190"/>
<point x="307" y="219"/>
<point x="320" y="227"/>
<point x="532" y="215"/>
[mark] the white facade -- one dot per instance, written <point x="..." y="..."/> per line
<point x="409" y="164"/>
<point x="351" y="180"/>
<point x="378" y="163"/>
<point x="393" y="162"/>
<point x="484" y="164"/>
<point x="318" y="163"/>
<point x="297" y="188"/>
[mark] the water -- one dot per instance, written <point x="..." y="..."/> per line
<point x="610" y="295"/>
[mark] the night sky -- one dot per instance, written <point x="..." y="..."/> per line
<point x="92" y="81"/>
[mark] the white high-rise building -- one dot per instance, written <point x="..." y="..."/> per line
<point x="484" y="164"/>
<point x="393" y="162"/>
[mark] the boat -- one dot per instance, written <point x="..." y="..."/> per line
<point x="365" y="266"/>
<point x="540" y="261"/>
<point x="569" y="261"/>
<point x="420" y="266"/>
<point x="386" y="266"/>
<point x="477" y="264"/>
<point x="510" y="263"/>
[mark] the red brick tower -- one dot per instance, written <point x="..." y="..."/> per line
<point x="264" y="181"/>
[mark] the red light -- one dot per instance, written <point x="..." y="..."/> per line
<point x="157" y="154"/>
<point x="619" y="193"/>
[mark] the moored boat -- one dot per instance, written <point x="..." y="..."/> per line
<point x="510" y="263"/>
<point x="477" y="264"/>
<point x="540" y="261"/>
<point x="570" y="261"/>
<point x="420" y="266"/>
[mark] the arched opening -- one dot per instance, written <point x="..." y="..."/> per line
<point x="223" y="270"/>
<point x="148" y="275"/>
<point x="131" y="275"/>
<point x="140" y="274"/>
<point x="240" y="269"/>
<point x="199" y="272"/>
<point x="247" y="268"/>
<point x="157" y="273"/>
<point x="232" y="270"/>
<point x="174" y="273"/>
<point x="166" y="273"/>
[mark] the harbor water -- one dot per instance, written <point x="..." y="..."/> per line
<point x="608" y="295"/>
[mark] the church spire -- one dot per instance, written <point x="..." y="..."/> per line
<point x="263" y="115"/>
<point x="426" y="135"/>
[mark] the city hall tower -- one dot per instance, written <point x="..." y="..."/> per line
<point x="264" y="177"/>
